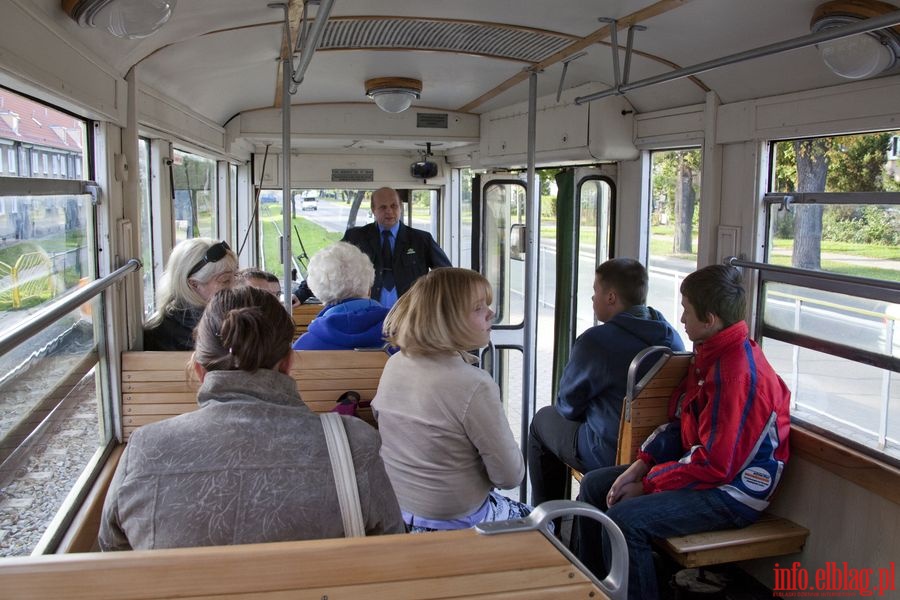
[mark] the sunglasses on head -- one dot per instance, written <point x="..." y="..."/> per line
<point x="214" y="253"/>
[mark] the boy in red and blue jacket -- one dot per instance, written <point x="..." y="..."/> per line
<point x="717" y="462"/>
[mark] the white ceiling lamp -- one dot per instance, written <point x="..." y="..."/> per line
<point x="122" y="18"/>
<point x="862" y="55"/>
<point x="393" y="94"/>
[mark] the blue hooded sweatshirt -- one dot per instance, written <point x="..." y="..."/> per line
<point x="354" y="323"/>
<point x="593" y="383"/>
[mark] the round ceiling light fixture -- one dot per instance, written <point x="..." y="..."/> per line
<point x="393" y="94"/>
<point x="123" y="18"/>
<point x="862" y="55"/>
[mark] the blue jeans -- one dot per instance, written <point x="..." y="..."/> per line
<point x="659" y="515"/>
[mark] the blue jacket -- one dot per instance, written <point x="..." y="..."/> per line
<point x="593" y="383"/>
<point x="354" y="323"/>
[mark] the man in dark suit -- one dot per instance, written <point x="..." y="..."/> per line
<point x="400" y="253"/>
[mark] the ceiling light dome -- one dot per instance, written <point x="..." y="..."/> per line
<point x="862" y="55"/>
<point x="123" y="18"/>
<point x="393" y="94"/>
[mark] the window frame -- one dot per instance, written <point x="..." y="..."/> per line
<point x="859" y="287"/>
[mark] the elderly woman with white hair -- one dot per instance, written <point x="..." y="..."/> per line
<point x="197" y="269"/>
<point x="341" y="276"/>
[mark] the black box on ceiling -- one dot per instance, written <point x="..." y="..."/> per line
<point x="424" y="169"/>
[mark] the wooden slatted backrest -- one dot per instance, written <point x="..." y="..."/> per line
<point x="461" y="564"/>
<point x="156" y="385"/>
<point x="303" y="315"/>
<point x="646" y="405"/>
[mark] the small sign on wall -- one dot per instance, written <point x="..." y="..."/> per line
<point x="352" y="175"/>
<point x="728" y="243"/>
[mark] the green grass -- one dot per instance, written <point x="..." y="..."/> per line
<point x="834" y="266"/>
<point x="315" y="237"/>
<point x="867" y="250"/>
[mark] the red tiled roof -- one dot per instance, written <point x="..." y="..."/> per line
<point x="38" y="124"/>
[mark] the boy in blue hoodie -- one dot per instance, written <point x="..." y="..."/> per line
<point x="582" y="428"/>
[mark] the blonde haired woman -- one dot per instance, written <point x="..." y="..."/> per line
<point x="197" y="269"/>
<point x="445" y="439"/>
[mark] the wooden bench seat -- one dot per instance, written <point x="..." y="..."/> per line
<point x="156" y="385"/>
<point x="303" y="316"/>
<point x="644" y="409"/>
<point x="457" y="564"/>
<point x="770" y="536"/>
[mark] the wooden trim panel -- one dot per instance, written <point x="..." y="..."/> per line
<point x="876" y="476"/>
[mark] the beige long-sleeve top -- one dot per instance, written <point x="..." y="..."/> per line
<point x="445" y="439"/>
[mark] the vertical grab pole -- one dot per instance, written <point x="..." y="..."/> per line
<point x="533" y="218"/>
<point x="286" y="200"/>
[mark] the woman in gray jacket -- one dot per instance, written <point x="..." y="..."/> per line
<point x="251" y="464"/>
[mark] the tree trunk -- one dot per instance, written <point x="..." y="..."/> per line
<point x="812" y="171"/>
<point x="684" y="207"/>
<point x="354" y="208"/>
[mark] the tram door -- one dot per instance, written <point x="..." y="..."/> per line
<point x="499" y="246"/>
<point x="567" y="256"/>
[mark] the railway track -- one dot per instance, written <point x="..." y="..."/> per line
<point x="49" y="430"/>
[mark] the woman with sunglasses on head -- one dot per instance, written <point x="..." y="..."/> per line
<point x="252" y="463"/>
<point x="197" y="269"/>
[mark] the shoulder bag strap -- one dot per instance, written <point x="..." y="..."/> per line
<point x="344" y="474"/>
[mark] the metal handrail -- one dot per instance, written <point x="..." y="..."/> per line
<point x="59" y="309"/>
<point x="310" y="44"/>
<point x="871" y="24"/>
<point x="615" y="584"/>
<point x="734" y="261"/>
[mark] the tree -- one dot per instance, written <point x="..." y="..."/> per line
<point x="675" y="182"/>
<point x="354" y="197"/>
<point x="857" y="163"/>
<point x="812" y="172"/>
<point x="685" y="198"/>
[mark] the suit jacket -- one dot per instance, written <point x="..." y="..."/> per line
<point x="415" y="253"/>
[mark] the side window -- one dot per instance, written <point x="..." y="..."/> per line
<point x="147" y="226"/>
<point x="53" y="423"/>
<point x="833" y="210"/>
<point x="674" y="227"/>
<point x="194" y="180"/>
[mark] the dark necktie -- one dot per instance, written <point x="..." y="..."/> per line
<point x="387" y="271"/>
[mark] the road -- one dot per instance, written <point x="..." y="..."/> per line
<point x="332" y="215"/>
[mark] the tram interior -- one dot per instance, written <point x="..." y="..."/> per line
<point x="183" y="132"/>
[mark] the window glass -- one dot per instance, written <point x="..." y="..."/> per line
<point x="146" y="227"/>
<point x="465" y="217"/>
<point x="425" y="211"/>
<point x="320" y="218"/>
<point x="861" y="239"/>
<point x="504" y="207"/>
<point x="833" y="346"/>
<point x="593" y="245"/>
<point x="52" y="412"/>
<point x="233" y="199"/>
<point x="52" y="421"/>
<point x="194" y="179"/>
<point x="674" y="227"/>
